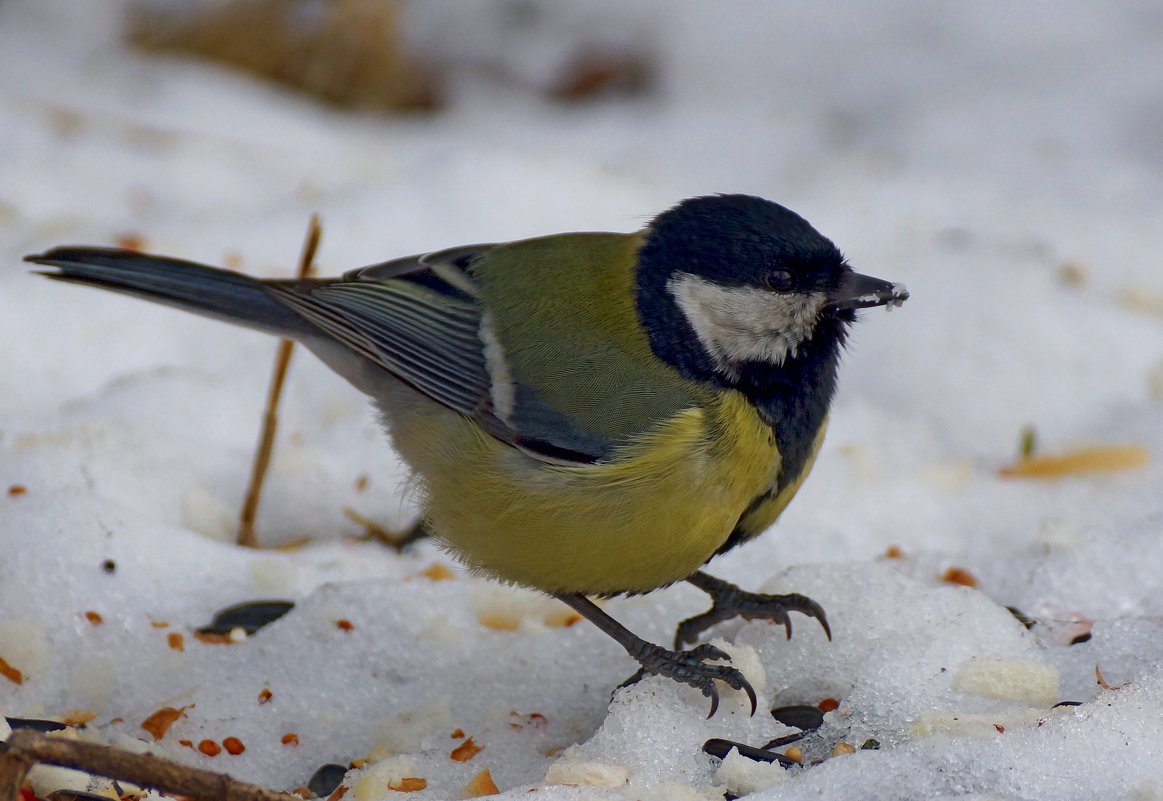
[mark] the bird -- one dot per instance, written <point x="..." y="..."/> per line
<point x="585" y="414"/>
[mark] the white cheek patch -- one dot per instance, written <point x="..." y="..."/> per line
<point x="740" y="324"/>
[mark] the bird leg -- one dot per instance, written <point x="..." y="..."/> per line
<point x="686" y="667"/>
<point x="728" y="601"/>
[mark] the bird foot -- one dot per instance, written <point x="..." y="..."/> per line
<point x="728" y="601"/>
<point x="691" y="668"/>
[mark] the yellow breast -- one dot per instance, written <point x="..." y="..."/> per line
<point x="650" y="516"/>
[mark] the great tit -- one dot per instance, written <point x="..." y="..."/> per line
<point x="586" y="414"/>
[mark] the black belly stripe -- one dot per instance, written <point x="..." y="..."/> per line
<point x="792" y="399"/>
<point x="737" y="534"/>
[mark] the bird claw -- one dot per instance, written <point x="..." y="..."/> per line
<point x="729" y="601"/>
<point x="691" y="668"/>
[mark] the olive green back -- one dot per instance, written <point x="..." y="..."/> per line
<point x="564" y="311"/>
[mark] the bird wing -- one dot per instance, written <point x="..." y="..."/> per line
<point x="431" y="321"/>
<point x="417" y="317"/>
<point x="562" y="311"/>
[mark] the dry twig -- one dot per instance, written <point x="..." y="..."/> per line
<point x="262" y="457"/>
<point x="25" y="748"/>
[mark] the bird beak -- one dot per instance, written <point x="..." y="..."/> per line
<point x="858" y="291"/>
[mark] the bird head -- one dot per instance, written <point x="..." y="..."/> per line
<point x="728" y="281"/>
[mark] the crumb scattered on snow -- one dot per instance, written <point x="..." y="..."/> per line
<point x="1035" y="683"/>
<point x="742" y="776"/>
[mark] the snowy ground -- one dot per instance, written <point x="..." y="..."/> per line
<point x="1003" y="160"/>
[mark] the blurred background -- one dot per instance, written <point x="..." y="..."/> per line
<point x="1004" y="160"/>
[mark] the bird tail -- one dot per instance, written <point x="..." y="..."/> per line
<point x="208" y="291"/>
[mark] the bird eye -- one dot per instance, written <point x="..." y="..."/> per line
<point x="779" y="280"/>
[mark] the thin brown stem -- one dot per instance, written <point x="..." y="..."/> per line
<point x="247" y="536"/>
<point x="146" y="770"/>
<point x="14" y="766"/>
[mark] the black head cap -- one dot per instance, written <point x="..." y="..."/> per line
<point x="732" y="240"/>
<point x="738" y="240"/>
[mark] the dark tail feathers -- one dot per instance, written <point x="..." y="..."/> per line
<point x="204" y="290"/>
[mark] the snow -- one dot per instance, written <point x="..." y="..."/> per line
<point x="1001" y="160"/>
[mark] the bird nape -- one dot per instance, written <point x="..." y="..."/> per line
<point x="586" y="414"/>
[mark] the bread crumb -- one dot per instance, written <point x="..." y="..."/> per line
<point x="480" y="785"/>
<point x="959" y="575"/>
<point x="438" y="572"/>
<point x="588" y="774"/>
<point x="408" y="784"/>
<point x="743" y="776"/>
<point x="1035" y="683"/>
<point x="10" y="673"/>
<point x="466" y="751"/>
<point x="78" y="717"/>
<point x="159" y="722"/>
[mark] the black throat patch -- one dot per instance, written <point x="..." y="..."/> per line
<point x="793" y="398"/>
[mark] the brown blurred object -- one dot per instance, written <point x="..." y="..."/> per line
<point x="600" y="74"/>
<point x="1097" y="459"/>
<point x="349" y="53"/>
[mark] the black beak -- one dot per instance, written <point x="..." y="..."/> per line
<point x="858" y="291"/>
